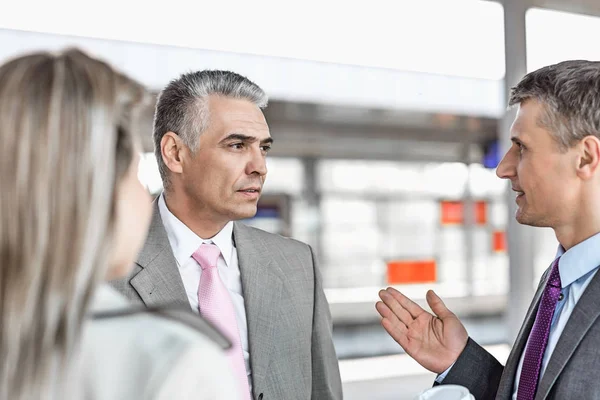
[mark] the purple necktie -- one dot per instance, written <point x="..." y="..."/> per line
<point x="538" y="338"/>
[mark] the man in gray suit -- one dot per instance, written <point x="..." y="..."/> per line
<point x="554" y="168"/>
<point x="211" y="141"/>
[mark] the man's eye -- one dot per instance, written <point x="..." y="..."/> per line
<point x="266" y="149"/>
<point x="236" y="145"/>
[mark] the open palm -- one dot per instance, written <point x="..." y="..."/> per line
<point x="434" y="341"/>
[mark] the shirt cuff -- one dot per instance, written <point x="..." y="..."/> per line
<point x="440" y="378"/>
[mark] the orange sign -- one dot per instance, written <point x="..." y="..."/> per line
<point x="480" y="212"/>
<point x="411" y="271"/>
<point x="499" y="241"/>
<point x="452" y="212"/>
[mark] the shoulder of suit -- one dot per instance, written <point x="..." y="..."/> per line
<point x="273" y="238"/>
<point x="166" y="316"/>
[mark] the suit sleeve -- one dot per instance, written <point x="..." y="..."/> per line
<point x="477" y="370"/>
<point x="326" y="381"/>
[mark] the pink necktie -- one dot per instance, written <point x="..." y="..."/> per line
<point x="215" y="305"/>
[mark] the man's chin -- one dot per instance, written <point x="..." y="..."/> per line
<point x="245" y="212"/>
<point x="522" y="217"/>
<point x="526" y="219"/>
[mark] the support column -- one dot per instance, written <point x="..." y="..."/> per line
<point x="313" y="199"/>
<point x="519" y="237"/>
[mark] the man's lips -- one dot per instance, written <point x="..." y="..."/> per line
<point x="250" y="190"/>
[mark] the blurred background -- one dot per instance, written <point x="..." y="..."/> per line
<point x="389" y="118"/>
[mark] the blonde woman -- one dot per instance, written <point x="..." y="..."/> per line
<point x="73" y="214"/>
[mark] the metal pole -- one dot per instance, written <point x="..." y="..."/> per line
<point x="469" y="225"/>
<point x="519" y="237"/>
<point x="313" y="199"/>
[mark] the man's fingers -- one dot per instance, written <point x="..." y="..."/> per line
<point x="392" y="324"/>
<point x="387" y="313"/>
<point x="384" y="310"/>
<point x="394" y="305"/>
<point x="437" y="305"/>
<point x="398" y="332"/>
<point x="413" y="308"/>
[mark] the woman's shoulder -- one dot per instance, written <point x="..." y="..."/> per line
<point x="140" y="348"/>
<point x="111" y="314"/>
<point x="118" y="338"/>
<point x="151" y="327"/>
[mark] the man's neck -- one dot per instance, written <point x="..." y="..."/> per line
<point x="571" y="235"/>
<point x="197" y="219"/>
<point x="582" y="218"/>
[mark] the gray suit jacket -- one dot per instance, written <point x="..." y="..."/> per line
<point x="572" y="372"/>
<point x="289" y="322"/>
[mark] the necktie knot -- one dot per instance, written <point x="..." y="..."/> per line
<point x="207" y="255"/>
<point x="554" y="279"/>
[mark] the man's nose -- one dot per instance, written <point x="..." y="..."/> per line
<point x="507" y="168"/>
<point x="257" y="165"/>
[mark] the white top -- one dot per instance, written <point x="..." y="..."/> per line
<point x="184" y="243"/>
<point x="142" y="356"/>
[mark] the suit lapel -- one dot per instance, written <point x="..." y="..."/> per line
<point x="158" y="282"/>
<point x="505" y="388"/>
<point x="262" y="285"/>
<point x="585" y="313"/>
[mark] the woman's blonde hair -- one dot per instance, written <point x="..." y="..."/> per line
<point x="66" y="123"/>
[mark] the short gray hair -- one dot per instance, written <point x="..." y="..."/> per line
<point x="570" y="94"/>
<point x="182" y="106"/>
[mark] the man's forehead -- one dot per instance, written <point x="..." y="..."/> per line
<point x="229" y="115"/>
<point x="529" y="111"/>
<point x="526" y="119"/>
<point x="250" y="131"/>
<point x="249" y="117"/>
<point x="517" y="129"/>
<point x="254" y="118"/>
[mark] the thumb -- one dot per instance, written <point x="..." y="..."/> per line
<point x="437" y="305"/>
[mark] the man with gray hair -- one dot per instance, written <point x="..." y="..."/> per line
<point x="554" y="169"/>
<point x="262" y="290"/>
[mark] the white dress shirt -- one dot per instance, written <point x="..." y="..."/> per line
<point x="184" y="243"/>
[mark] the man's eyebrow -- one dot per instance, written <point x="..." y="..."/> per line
<point x="246" y="138"/>
<point x="239" y="136"/>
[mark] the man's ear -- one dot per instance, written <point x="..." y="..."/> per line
<point x="172" y="149"/>
<point x="589" y="157"/>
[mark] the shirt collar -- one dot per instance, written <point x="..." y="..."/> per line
<point x="185" y="242"/>
<point x="579" y="260"/>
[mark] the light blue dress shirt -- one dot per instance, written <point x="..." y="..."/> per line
<point x="577" y="267"/>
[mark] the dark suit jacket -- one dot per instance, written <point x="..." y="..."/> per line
<point x="572" y="372"/>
